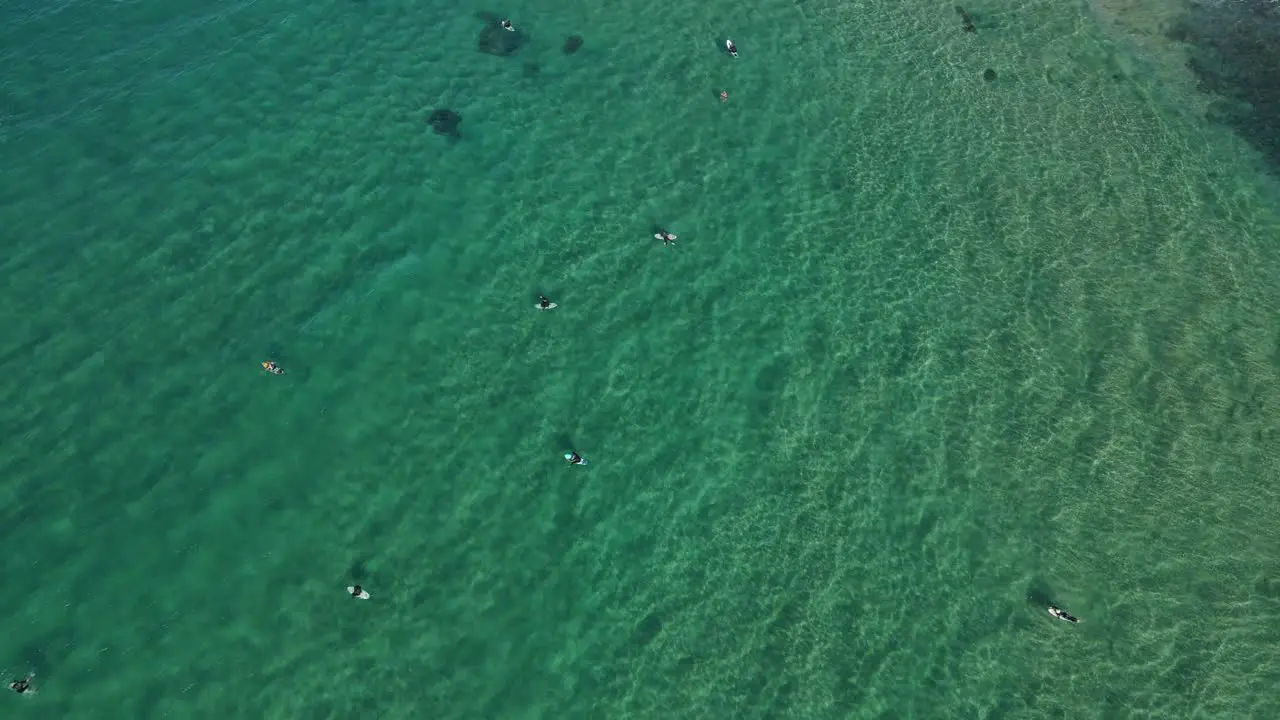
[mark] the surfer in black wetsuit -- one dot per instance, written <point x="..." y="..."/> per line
<point x="543" y="302"/>
<point x="1062" y="614"/>
<point x="666" y="237"/>
<point x="22" y="686"/>
<point x="506" y="25"/>
<point x="574" y="458"/>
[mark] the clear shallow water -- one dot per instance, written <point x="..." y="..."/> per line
<point x="930" y="353"/>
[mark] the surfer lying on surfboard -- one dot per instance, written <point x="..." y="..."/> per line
<point x="1063" y="615"/>
<point x="666" y="237"/>
<point x="733" y="49"/>
<point x="272" y="368"/>
<point x="574" y="458"/>
<point x="357" y="592"/>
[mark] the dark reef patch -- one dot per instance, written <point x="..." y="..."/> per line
<point x="572" y="44"/>
<point x="647" y="629"/>
<point x="1235" y="53"/>
<point x="444" y="122"/>
<point x="989" y="75"/>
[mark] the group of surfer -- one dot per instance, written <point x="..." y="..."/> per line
<point x="733" y="50"/>
<point x="572" y="457"/>
<point x="544" y="303"/>
<point x="667" y="238"/>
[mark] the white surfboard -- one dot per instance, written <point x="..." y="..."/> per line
<point x="552" y="306"/>
<point x="728" y="45"/>
<point x="364" y="595"/>
<point x="670" y="236"/>
<point x="568" y="456"/>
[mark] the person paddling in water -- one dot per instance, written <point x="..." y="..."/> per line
<point x="22" y="686"/>
<point x="574" y="458"/>
<point x="357" y="592"/>
<point x="733" y="49"/>
<point x="506" y="25"/>
<point x="272" y="368"/>
<point x="666" y="237"/>
<point x="1063" y="614"/>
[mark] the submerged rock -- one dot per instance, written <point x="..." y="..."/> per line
<point x="444" y="122"/>
<point x="988" y="74"/>
<point x="571" y="44"/>
<point x="647" y="629"/>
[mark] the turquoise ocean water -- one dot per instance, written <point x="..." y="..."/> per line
<point x="931" y="352"/>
